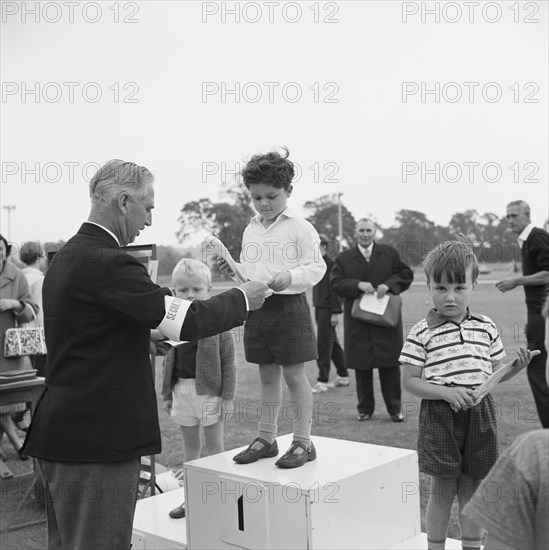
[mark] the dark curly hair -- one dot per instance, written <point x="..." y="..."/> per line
<point x="271" y="169"/>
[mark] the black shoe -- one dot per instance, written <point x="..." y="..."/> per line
<point x="178" y="513"/>
<point x="249" y="455"/>
<point x="397" y="417"/>
<point x="291" y="459"/>
<point x="364" y="416"/>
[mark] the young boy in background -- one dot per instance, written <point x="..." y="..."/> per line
<point x="199" y="377"/>
<point x="445" y="357"/>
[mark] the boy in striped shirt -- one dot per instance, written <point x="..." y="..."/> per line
<point x="445" y="357"/>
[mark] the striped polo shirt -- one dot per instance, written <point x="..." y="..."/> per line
<point x="453" y="354"/>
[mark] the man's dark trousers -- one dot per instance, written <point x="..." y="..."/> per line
<point x="535" y="331"/>
<point x="329" y="348"/>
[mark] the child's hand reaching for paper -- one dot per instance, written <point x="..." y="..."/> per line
<point x="224" y="266"/>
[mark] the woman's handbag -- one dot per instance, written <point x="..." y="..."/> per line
<point x="25" y="340"/>
<point x="389" y="318"/>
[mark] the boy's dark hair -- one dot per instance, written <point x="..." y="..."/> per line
<point x="323" y="239"/>
<point x="271" y="169"/>
<point x="451" y="259"/>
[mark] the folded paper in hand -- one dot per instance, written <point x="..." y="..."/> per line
<point x="373" y="304"/>
<point x="173" y="343"/>
<point x="493" y="380"/>
<point x="221" y="250"/>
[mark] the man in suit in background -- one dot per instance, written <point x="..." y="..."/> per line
<point x="327" y="314"/>
<point x="98" y="413"/>
<point x="370" y="267"/>
<point x="534" y="251"/>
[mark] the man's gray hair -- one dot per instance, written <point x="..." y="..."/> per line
<point x="118" y="175"/>
<point x="523" y="205"/>
<point x="369" y="220"/>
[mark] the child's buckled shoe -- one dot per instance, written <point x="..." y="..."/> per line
<point x="249" y="455"/>
<point x="291" y="459"/>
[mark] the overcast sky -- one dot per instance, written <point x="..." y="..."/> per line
<point x="377" y="100"/>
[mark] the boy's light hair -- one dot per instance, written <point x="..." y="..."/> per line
<point x="451" y="259"/>
<point x="192" y="267"/>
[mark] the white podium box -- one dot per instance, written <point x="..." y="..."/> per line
<point x="419" y="542"/>
<point x="354" y="495"/>
<point x="153" y="529"/>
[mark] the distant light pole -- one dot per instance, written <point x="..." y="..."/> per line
<point x="340" y="220"/>
<point x="9" y="208"/>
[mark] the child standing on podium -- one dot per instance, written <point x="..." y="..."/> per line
<point x="199" y="378"/>
<point x="282" y="250"/>
<point x="445" y="358"/>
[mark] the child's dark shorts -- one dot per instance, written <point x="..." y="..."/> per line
<point x="450" y="443"/>
<point x="281" y="332"/>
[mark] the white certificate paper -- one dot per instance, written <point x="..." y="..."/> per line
<point x="373" y="304"/>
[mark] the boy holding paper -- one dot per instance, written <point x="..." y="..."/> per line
<point x="445" y="358"/>
<point x="282" y="250"/>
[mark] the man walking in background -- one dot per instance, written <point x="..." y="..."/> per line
<point x="534" y="251"/>
<point x="327" y="314"/>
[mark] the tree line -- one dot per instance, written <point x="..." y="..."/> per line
<point x="413" y="234"/>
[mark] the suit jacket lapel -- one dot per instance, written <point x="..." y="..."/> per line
<point x="360" y="258"/>
<point x="376" y="253"/>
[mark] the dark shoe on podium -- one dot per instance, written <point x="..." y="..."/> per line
<point x="178" y="513"/>
<point x="292" y="458"/>
<point x="398" y="417"/>
<point x="362" y="417"/>
<point x="258" y="448"/>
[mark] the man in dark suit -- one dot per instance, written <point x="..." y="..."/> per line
<point x="534" y="251"/>
<point x="327" y="313"/>
<point x="371" y="268"/>
<point x="98" y="413"/>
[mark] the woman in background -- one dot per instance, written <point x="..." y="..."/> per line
<point x="15" y="304"/>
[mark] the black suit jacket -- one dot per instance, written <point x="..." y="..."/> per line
<point x="99" y="402"/>
<point x="323" y="296"/>
<point x="370" y="346"/>
<point x="535" y="258"/>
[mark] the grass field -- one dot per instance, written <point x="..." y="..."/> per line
<point x="334" y="411"/>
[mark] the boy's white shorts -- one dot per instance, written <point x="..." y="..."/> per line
<point x="189" y="409"/>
